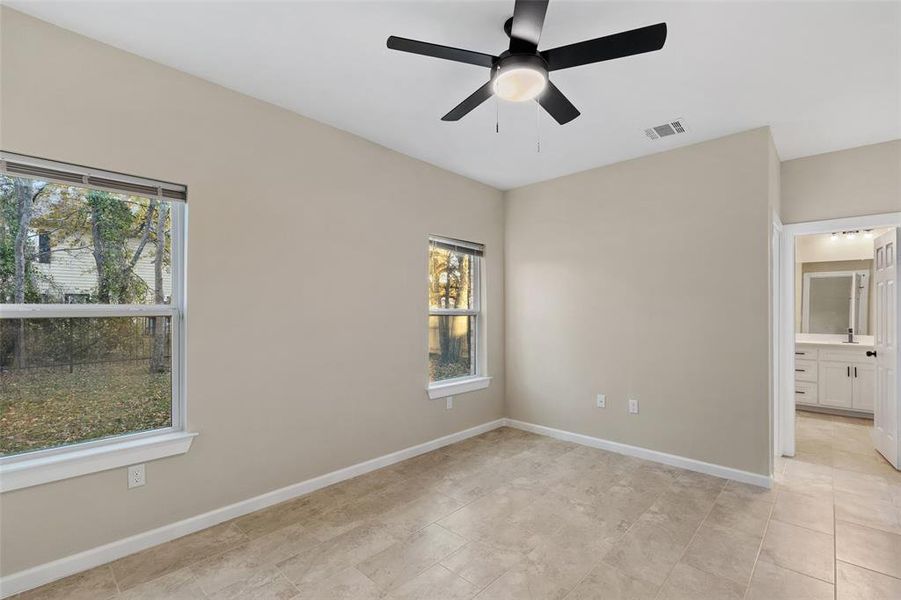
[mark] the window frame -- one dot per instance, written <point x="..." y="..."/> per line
<point x="61" y="462"/>
<point x="477" y="379"/>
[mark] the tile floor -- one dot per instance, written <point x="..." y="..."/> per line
<point x="514" y="515"/>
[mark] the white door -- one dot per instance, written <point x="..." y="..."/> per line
<point x="835" y="383"/>
<point x="886" y="415"/>
<point x="864" y="386"/>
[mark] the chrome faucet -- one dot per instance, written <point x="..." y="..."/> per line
<point x="850" y="336"/>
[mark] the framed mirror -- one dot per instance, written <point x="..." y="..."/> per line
<point x="835" y="301"/>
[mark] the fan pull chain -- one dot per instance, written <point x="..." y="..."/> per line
<point x="538" y="125"/>
<point x="497" y="115"/>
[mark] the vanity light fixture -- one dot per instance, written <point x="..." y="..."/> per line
<point x="850" y="235"/>
<point x="834" y="237"/>
<point x="868" y="234"/>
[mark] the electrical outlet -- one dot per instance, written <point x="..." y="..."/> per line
<point x="633" y="406"/>
<point x="602" y="401"/>
<point x="136" y="476"/>
<point x="450" y="402"/>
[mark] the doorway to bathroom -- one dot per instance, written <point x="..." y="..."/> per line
<point x="836" y="359"/>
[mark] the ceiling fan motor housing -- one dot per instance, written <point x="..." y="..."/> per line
<point x="510" y="60"/>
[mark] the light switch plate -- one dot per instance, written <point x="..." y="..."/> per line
<point x="633" y="406"/>
<point x="136" y="477"/>
<point x="450" y="402"/>
<point x="602" y="401"/>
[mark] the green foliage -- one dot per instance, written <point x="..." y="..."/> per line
<point x="9" y="229"/>
<point x="108" y="226"/>
<point x="66" y="341"/>
<point x="112" y="225"/>
<point x="64" y="380"/>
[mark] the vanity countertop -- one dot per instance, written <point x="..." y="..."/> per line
<point x="837" y="341"/>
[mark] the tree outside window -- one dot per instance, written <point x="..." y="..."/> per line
<point x="68" y="378"/>
<point x="453" y="310"/>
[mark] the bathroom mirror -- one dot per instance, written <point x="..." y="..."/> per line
<point x="834" y="301"/>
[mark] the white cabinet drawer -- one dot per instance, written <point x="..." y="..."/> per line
<point x="849" y="354"/>
<point x="805" y="352"/>
<point x="805" y="370"/>
<point x="805" y="392"/>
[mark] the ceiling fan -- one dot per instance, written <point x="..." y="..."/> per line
<point x="521" y="72"/>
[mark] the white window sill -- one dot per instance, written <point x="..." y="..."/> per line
<point x="18" y="474"/>
<point x="457" y="386"/>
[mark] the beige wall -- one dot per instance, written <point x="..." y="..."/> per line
<point x="821" y="248"/>
<point x="775" y="179"/>
<point x="318" y="360"/>
<point x="849" y="183"/>
<point x="647" y="278"/>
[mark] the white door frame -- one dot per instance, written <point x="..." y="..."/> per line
<point x="776" y="252"/>
<point x="783" y="360"/>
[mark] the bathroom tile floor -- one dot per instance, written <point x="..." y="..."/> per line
<point x="514" y="515"/>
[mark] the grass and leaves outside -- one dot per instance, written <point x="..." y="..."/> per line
<point x="48" y="407"/>
<point x="440" y="370"/>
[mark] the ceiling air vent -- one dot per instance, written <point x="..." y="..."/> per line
<point x="667" y="129"/>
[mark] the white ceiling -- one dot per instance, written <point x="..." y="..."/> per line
<point x="825" y="76"/>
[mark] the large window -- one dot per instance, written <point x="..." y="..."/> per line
<point x="91" y="320"/>
<point x="454" y="309"/>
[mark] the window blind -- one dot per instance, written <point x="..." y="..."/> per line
<point x="19" y="165"/>
<point x="458" y="246"/>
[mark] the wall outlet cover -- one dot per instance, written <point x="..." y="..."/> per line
<point x="450" y="402"/>
<point x="633" y="406"/>
<point x="136" y="476"/>
<point x="602" y="401"/>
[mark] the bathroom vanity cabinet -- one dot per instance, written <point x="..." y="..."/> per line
<point x="835" y="375"/>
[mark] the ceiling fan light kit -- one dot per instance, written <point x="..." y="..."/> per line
<point x="521" y="72"/>
<point x="519" y="77"/>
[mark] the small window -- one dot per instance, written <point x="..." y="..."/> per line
<point x="454" y="308"/>
<point x="89" y="343"/>
<point x="44" y="248"/>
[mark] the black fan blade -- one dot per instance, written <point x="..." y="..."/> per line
<point x="618" y="45"/>
<point x="438" y="51"/>
<point x="528" y="20"/>
<point x="557" y="105"/>
<point x="474" y="99"/>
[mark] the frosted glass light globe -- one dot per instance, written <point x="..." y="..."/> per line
<point x="519" y="84"/>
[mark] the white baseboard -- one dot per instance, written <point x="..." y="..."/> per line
<point x="63" y="567"/>
<point x="646" y="454"/>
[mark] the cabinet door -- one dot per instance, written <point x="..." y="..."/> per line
<point x="835" y="384"/>
<point x="863" y="386"/>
